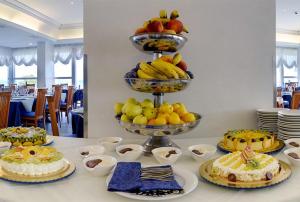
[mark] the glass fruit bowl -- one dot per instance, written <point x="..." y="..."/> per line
<point x="158" y="42"/>
<point x="157" y="86"/>
<point x="160" y="130"/>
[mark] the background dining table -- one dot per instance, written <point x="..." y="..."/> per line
<point x="18" y="106"/>
<point x="82" y="186"/>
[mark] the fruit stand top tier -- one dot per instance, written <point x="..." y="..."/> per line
<point x="160" y="34"/>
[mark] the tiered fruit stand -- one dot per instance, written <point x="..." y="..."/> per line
<point x="158" y="44"/>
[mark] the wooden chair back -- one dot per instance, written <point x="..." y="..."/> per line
<point x="70" y="96"/>
<point x="279" y="92"/>
<point x="4" y="108"/>
<point x="57" y="97"/>
<point x="12" y="87"/>
<point x="295" y="100"/>
<point x="40" y="102"/>
<point x="64" y="85"/>
<point x="51" y="105"/>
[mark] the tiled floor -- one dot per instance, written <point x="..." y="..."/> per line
<point x="65" y="130"/>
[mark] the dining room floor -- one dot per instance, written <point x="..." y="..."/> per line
<point x="65" y="130"/>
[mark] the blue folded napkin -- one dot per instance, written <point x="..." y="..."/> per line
<point x="127" y="178"/>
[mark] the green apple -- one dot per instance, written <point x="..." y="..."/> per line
<point x="147" y="104"/>
<point x="133" y="110"/>
<point x="140" y="119"/>
<point x="150" y="113"/>
<point x="124" y="118"/>
<point x="118" y="108"/>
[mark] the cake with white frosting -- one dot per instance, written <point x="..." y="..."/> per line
<point x="246" y="166"/>
<point x="23" y="136"/>
<point x="32" y="160"/>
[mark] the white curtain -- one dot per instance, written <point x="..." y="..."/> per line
<point x="5" y="56"/>
<point x="286" y="57"/>
<point x="24" y="56"/>
<point x="65" y="53"/>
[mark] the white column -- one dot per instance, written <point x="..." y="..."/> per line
<point x="298" y="65"/>
<point x="45" y="65"/>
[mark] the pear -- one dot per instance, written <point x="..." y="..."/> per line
<point x="166" y="108"/>
<point x="124" y="118"/>
<point x="118" y="108"/>
<point x="140" y="119"/>
<point x="174" y="118"/>
<point x="147" y="103"/>
<point x="133" y="110"/>
<point x="150" y="113"/>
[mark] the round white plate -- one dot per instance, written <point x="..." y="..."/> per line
<point x="49" y="140"/>
<point x="186" y="179"/>
<point x="292" y="112"/>
<point x="271" y="110"/>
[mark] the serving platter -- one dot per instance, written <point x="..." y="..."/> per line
<point x="49" y="140"/>
<point x="65" y="172"/>
<point x="158" y="42"/>
<point x="277" y="146"/>
<point x="205" y="172"/>
<point x="186" y="179"/>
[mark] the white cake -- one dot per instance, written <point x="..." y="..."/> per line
<point x="241" y="168"/>
<point x="32" y="161"/>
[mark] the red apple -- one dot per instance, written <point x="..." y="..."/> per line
<point x="182" y="65"/>
<point x="175" y="25"/>
<point x="140" y="30"/>
<point x="155" y="26"/>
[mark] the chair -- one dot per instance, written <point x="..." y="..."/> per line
<point x="64" y="86"/>
<point x="4" y="108"/>
<point x="66" y="107"/>
<point x="30" y="88"/>
<point x="295" y="100"/>
<point x="12" y="87"/>
<point x="52" y="112"/>
<point x="57" y="97"/>
<point x="33" y="118"/>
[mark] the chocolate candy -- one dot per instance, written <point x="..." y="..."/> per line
<point x="294" y="144"/>
<point x="197" y="152"/>
<point x="269" y="176"/>
<point x="84" y="153"/>
<point x="31" y="152"/>
<point x="93" y="163"/>
<point x="232" y="177"/>
<point x="123" y="151"/>
<point x="293" y="155"/>
<point x="170" y="153"/>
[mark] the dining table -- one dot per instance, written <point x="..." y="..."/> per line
<point x="84" y="187"/>
<point x="18" y="106"/>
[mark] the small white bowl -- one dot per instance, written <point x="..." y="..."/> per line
<point x="293" y="161"/>
<point x="288" y="141"/>
<point x="103" y="168"/>
<point x="137" y="151"/>
<point x="91" y="150"/>
<point x="207" y="151"/>
<point x="4" y="146"/>
<point x="161" y="153"/>
<point x="110" y="143"/>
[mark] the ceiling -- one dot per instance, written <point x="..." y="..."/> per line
<point x="286" y="19"/>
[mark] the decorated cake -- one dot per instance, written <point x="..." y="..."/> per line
<point x="21" y="136"/>
<point x="238" y="140"/>
<point x="32" y="160"/>
<point x="246" y="166"/>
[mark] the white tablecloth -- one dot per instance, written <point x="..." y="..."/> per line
<point x="26" y="101"/>
<point x="83" y="187"/>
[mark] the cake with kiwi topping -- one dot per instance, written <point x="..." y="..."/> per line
<point x="259" y="140"/>
<point x="246" y="166"/>
<point x="22" y="136"/>
<point x="32" y="160"/>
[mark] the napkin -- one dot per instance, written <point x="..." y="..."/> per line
<point x="127" y="178"/>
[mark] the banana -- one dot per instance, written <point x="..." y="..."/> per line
<point x="166" y="68"/>
<point x="177" y="58"/>
<point x="185" y="29"/>
<point x="163" y="20"/>
<point x="180" y="72"/>
<point x="143" y="75"/>
<point x="174" y="14"/>
<point x="163" y="14"/>
<point x="151" y="71"/>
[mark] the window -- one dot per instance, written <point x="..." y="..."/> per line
<point x="63" y="73"/>
<point x="4" y="75"/>
<point x="23" y="74"/>
<point x="79" y="74"/>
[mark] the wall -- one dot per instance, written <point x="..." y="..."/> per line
<point x="230" y="50"/>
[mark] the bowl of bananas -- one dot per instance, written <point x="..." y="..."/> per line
<point x="166" y="74"/>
